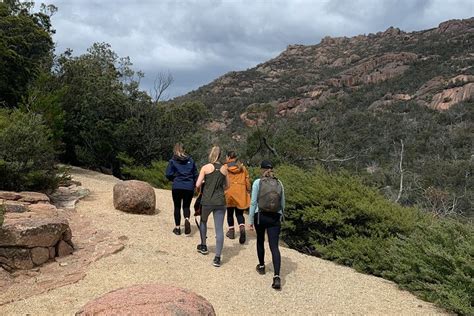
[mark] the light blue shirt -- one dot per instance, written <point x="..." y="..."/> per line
<point x="254" y="202"/>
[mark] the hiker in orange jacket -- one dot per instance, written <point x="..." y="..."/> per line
<point x="237" y="195"/>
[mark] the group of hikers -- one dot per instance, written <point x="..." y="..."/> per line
<point x="225" y="188"/>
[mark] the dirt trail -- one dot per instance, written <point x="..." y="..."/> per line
<point x="154" y="254"/>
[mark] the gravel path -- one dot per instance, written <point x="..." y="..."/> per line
<point x="154" y="254"/>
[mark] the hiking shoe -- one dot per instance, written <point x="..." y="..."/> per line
<point x="242" y="235"/>
<point x="230" y="233"/>
<point x="260" y="269"/>
<point x="216" y="262"/>
<point x="276" y="282"/>
<point x="177" y="231"/>
<point x="187" y="227"/>
<point x="202" y="249"/>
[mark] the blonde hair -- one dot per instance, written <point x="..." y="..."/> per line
<point x="215" y="154"/>
<point x="178" y="150"/>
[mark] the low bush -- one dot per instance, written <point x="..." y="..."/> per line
<point x="436" y="262"/>
<point x="154" y="174"/>
<point x="336" y="217"/>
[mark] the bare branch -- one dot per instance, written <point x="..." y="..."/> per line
<point x="162" y="82"/>
<point x="327" y="159"/>
<point x="272" y="149"/>
<point x="401" y="173"/>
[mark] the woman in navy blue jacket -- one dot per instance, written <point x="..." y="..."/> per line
<point x="183" y="172"/>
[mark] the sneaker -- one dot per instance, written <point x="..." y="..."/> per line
<point x="187" y="227"/>
<point x="276" y="282"/>
<point x="260" y="269"/>
<point x="230" y="233"/>
<point x="216" y="262"/>
<point x="177" y="231"/>
<point x="242" y="235"/>
<point x="202" y="249"/>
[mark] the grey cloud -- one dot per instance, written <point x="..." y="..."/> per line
<point x="198" y="41"/>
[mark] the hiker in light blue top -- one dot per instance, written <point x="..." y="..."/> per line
<point x="266" y="211"/>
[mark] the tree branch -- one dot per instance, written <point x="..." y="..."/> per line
<point x="162" y="82"/>
<point x="401" y="173"/>
<point x="326" y="159"/>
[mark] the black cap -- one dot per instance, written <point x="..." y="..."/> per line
<point x="266" y="165"/>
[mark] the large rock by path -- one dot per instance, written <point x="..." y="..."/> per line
<point x="134" y="197"/>
<point x="151" y="299"/>
<point x="33" y="231"/>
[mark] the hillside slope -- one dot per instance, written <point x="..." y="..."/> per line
<point x="378" y="105"/>
<point x="433" y="67"/>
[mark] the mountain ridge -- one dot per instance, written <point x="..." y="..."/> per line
<point x="305" y="76"/>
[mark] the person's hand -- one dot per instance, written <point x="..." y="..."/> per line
<point x="251" y="227"/>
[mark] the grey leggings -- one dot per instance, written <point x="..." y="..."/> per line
<point x="218" y="214"/>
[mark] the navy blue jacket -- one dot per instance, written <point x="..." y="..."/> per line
<point x="183" y="172"/>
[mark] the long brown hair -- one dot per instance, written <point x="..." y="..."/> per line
<point x="231" y="154"/>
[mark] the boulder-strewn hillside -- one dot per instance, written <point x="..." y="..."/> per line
<point x="434" y="68"/>
<point x="394" y="107"/>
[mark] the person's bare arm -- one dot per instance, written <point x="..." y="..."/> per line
<point x="200" y="178"/>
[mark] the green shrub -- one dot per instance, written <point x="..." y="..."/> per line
<point x="27" y="155"/>
<point x="436" y="262"/>
<point x="154" y="174"/>
<point x="336" y="217"/>
<point x="332" y="207"/>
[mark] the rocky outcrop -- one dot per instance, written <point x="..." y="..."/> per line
<point x="441" y="94"/>
<point x="388" y="100"/>
<point x="449" y="97"/>
<point x="30" y="238"/>
<point x="305" y="76"/>
<point x="34" y="231"/>
<point x="67" y="197"/>
<point x="374" y="70"/>
<point x="134" y="196"/>
<point x="152" y="299"/>
<point x="33" y="197"/>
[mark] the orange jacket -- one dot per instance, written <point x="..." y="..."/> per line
<point x="238" y="193"/>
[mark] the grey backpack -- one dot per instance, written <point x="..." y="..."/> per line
<point x="269" y="195"/>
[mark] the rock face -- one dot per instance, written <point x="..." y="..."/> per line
<point x="152" y="299"/>
<point x="305" y="77"/>
<point x="34" y="231"/>
<point x="134" y="196"/>
<point x="449" y="97"/>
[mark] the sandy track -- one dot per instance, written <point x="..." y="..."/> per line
<point x="154" y="254"/>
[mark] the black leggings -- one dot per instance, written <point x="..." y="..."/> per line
<point x="185" y="196"/>
<point x="271" y="223"/>
<point x="238" y="213"/>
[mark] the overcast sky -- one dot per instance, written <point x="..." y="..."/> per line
<point x="198" y="41"/>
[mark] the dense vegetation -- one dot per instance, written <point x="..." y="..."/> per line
<point x="335" y="159"/>
<point x="336" y="217"/>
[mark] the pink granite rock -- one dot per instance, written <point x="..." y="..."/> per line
<point x="134" y="197"/>
<point x="63" y="249"/>
<point x="8" y="195"/>
<point x="32" y="232"/>
<point x="151" y="299"/>
<point x="33" y="197"/>
<point x="39" y="255"/>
